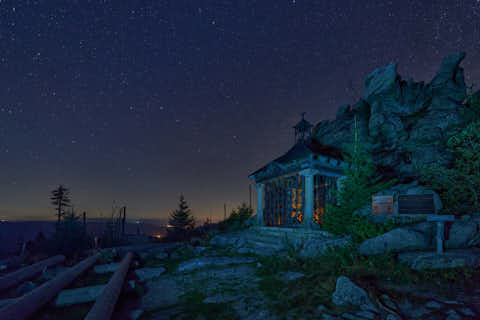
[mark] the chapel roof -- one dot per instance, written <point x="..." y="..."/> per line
<point x="302" y="150"/>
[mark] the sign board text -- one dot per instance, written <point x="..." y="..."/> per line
<point x="416" y="204"/>
<point x="382" y="204"/>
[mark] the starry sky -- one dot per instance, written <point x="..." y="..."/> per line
<point x="139" y="101"/>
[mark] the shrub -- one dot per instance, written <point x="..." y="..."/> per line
<point x="458" y="186"/>
<point x="237" y="219"/>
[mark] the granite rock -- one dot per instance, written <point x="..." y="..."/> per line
<point x="403" y="122"/>
<point x="348" y="292"/>
<point x="396" y="240"/>
<point x="455" y="258"/>
<point x="203" y="262"/>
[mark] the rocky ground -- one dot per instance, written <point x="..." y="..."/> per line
<point x="206" y="282"/>
<point x="226" y="278"/>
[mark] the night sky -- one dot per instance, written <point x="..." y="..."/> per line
<point x="134" y="102"/>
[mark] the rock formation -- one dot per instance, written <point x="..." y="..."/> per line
<point x="403" y="122"/>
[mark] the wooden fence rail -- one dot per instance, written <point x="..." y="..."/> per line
<point x="15" y="278"/>
<point x="35" y="299"/>
<point x="105" y="304"/>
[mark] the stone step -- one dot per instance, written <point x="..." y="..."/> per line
<point x="260" y="244"/>
<point x="296" y="233"/>
<point x="260" y="251"/>
<point x="263" y="238"/>
<point x="312" y="232"/>
<point x="290" y="238"/>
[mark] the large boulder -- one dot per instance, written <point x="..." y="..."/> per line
<point x="403" y="122"/>
<point x="396" y="240"/>
<point x="347" y="292"/>
<point x="381" y="82"/>
<point x="461" y="233"/>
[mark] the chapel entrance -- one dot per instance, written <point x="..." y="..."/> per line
<point x="285" y="200"/>
<point x="322" y="193"/>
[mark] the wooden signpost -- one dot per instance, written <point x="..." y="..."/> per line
<point x="382" y="204"/>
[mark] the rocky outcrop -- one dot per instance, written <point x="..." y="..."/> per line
<point x="269" y="241"/>
<point x="397" y="240"/>
<point x="204" y="262"/>
<point x="462" y="233"/>
<point x="348" y="292"/>
<point x="459" y="258"/>
<point x="403" y="122"/>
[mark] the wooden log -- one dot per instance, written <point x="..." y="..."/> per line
<point x="15" y="278"/>
<point x="25" y="306"/>
<point x="11" y="262"/>
<point x="105" y="304"/>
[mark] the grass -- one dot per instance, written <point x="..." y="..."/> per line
<point x="193" y="307"/>
<point x="152" y="262"/>
<point x="303" y="295"/>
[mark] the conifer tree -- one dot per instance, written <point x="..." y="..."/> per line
<point x="60" y="198"/>
<point x="360" y="182"/>
<point x="181" y="220"/>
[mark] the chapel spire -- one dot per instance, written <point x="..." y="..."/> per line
<point x="303" y="130"/>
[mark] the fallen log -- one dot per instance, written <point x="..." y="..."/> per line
<point x="26" y="305"/>
<point x="103" y="307"/>
<point x="71" y="297"/>
<point x="11" y="262"/>
<point x="15" y="278"/>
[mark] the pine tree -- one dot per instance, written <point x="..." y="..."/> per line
<point x="360" y="182"/>
<point x="60" y="198"/>
<point x="181" y="220"/>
